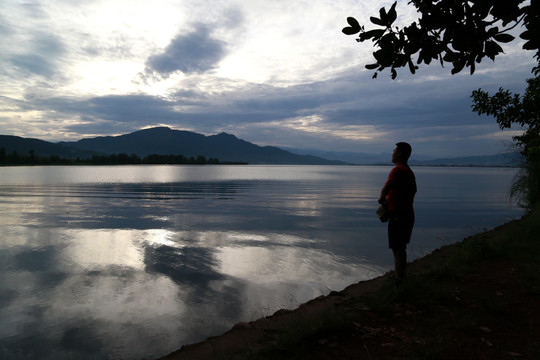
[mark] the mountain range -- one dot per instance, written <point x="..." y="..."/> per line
<point x="224" y="147"/>
<point x="162" y="140"/>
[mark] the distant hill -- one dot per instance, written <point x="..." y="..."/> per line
<point x="358" y="158"/>
<point x="163" y="140"/>
<point x="23" y="146"/>
<point x="507" y="159"/>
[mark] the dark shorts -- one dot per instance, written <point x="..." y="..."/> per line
<point x="400" y="230"/>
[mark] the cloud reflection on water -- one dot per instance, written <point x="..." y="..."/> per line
<point x="79" y="287"/>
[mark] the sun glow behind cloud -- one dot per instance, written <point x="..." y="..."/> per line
<point x="316" y="124"/>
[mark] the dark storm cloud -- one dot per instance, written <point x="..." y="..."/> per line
<point x="41" y="57"/>
<point x="433" y="99"/>
<point x="194" y="52"/>
<point x="34" y="64"/>
<point x="135" y="108"/>
<point x="132" y="109"/>
<point x="290" y="100"/>
<point x="354" y="99"/>
<point x="420" y="112"/>
<point x="4" y="28"/>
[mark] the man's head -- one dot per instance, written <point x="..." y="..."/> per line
<point x="401" y="153"/>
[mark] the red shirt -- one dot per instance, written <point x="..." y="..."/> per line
<point x="402" y="184"/>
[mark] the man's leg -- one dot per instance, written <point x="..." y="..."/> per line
<point x="400" y="261"/>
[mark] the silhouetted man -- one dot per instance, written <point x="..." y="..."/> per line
<point x="398" y="196"/>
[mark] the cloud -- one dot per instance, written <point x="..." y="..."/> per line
<point x="81" y="340"/>
<point x="194" y="52"/>
<point x="195" y="266"/>
<point x="29" y="45"/>
<point x="40" y="56"/>
<point x="34" y="64"/>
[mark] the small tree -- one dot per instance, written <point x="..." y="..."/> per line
<point x="523" y="111"/>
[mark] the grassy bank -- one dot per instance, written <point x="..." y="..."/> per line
<point x="478" y="299"/>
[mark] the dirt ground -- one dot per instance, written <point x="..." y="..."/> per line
<point x="487" y="312"/>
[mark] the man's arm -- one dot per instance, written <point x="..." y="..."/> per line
<point x="384" y="191"/>
<point x="388" y="185"/>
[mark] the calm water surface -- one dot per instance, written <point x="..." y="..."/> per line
<point x="132" y="262"/>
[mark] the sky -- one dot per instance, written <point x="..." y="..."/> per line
<point x="275" y="73"/>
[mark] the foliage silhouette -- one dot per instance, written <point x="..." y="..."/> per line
<point x="523" y="111"/>
<point x="457" y="32"/>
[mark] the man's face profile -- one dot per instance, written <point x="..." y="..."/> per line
<point x="395" y="155"/>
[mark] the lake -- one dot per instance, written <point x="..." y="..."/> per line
<point x="132" y="262"/>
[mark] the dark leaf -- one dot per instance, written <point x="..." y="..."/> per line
<point x="481" y="8"/>
<point x="493" y="31"/>
<point x="412" y="31"/>
<point x="378" y="55"/>
<point x="412" y="67"/>
<point x="349" y="30"/>
<point x="388" y="40"/>
<point x="384" y="57"/>
<point x="425" y="55"/>
<point x="372" y="66"/>
<point x="376" y="21"/>
<point x="353" y="22"/>
<point x="375" y="34"/>
<point x="353" y="28"/>
<point x="530" y="45"/>
<point x="479" y="58"/>
<point x="401" y="60"/>
<point x="459" y="43"/>
<point x="394" y="74"/>
<point x="392" y="14"/>
<point x="447" y="36"/>
<point x="504" y="38"/>
<point x="492" y="49"/>
<point x="458" y="66"/>
<point x="450" y="56"/>
<point x="412" y="47"/>
<point x="383" y="15"/>
<point x="505" y="10"/>
<point x="526" y="35"/>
